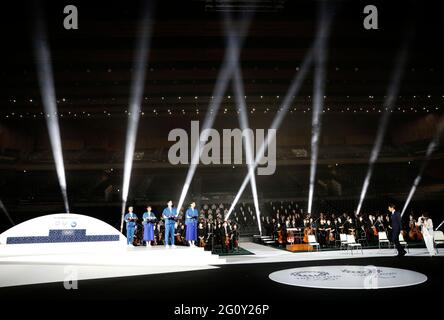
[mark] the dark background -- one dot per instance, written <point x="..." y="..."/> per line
<point x="92" y="75"/>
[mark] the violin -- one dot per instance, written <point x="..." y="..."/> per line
<point x="227" y="240"/>
<point x="280" y="238"/>
<point x="331" y="236"/>
<point x="201" y="242"/>
<point x="375" y="231"/>
<point x="290" y="237"/>
<point x="307" y="231"/>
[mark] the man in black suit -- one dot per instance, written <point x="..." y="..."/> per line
<point x="396" y="229"/>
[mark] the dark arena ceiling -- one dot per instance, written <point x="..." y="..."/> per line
<point x="92" y="65"/>
<point x="93" y="68"/>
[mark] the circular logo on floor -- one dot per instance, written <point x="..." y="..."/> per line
<point x="348" y="277"/>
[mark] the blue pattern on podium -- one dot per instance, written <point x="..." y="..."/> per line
<point x="63" y="235"/>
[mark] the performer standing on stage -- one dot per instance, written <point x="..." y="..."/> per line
<point x="130" y="219"/>
<point x="191" y="223"/>
<point x="148" y="226"/>
<point x="427" y="232"/>
<point x="169" y="214"/>
<point x="396" y="229"/>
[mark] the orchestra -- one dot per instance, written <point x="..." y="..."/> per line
<point x="207" y="228"/>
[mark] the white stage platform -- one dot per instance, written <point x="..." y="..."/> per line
<point x="43" y="263"/>
<point x="266" y="254"/>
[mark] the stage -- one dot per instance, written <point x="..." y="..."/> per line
<point x="54" y="263"/>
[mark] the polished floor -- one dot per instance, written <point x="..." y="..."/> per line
<point x="235" y="280"/>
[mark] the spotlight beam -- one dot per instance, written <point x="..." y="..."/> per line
<point x="318" y="102"/>
<point x="228" y="66"/>
<point x="292" y="92"/>
<point x="430" y="149"/>
<point x="239" y="94"/>
<point x="248" y="146"/>
<point x="389" y="103"/>
<point x="46" y="83"/>
<point x="5" y="211"/>
<point x="135" y="101"/>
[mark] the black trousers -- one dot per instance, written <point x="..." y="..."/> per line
<point x="395" y="239"/>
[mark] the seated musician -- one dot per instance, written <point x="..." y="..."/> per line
<point x="235" y="237"/>
<point x="201" y="234"/>
<point x="322" y="234"/>
<point x="225" y="234"/>
<point x="330" y="233"/>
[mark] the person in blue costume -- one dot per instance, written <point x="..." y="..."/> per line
<point x="148" y="226"/>
<point x="130" y="219"/>
<point x="191" y="216"/>
<point x="169" y="214"/>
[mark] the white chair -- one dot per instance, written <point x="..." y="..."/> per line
<point x="352" y="244"/>
<point x="343" y="238"/>
<point x="312" y="241"/>
<point x="382" y="238"/>
<point x="402" y="242"/>
<point x="438" y="238"/>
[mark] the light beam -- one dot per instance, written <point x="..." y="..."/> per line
<point x="135" y="101"/>
<point x="5" y="211"/>
<point x="320" y="53"/>
<point x="292" y="92"/>
<point x="228" y="66"/>
<point x="46" y="83"/>
<point x="430" y="149"/>
<point x="389" y="103"/>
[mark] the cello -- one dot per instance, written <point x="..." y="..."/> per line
<point x="415" y="231"/>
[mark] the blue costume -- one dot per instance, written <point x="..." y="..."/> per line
<point x="148" y="226"/>
<point x="130" y="219"/>
<point x="168" y="215"/>
<point x="191" y="223"/>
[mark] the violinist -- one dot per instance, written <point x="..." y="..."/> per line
<point x="235" y="237"/>
<point x="379" y="224"/>
<point x="361" y="227"/>
<point x="148" y="226"/>
<point x="340" y="225"/>
<point x="388" y="226"/>
<point x="372" y="227"/>
<point x="279" y="234"/>
<point x="201" y="234"/>
<point x="179" y="232"/>
<point x="307" y="229"/>
<point x="274" y="228"/>
<point x="330" y="233"/>
<point x="350" y="227"/>
<point x="225" y="232"/>
<point x="322" y="233"/>
<point x="268" y="226"/>
<point x="426" y="224"/>
<point x="414" y="230"/>
<point x="209" y="232"/>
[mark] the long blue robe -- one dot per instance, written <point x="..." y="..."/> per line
<point x="191" y="232"/>
<point x="130" y="227"/>
<point x="169" y="224"/>
<point x="148" y="226"/>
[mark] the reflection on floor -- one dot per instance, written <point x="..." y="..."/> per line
<point x="32" y="264"/>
